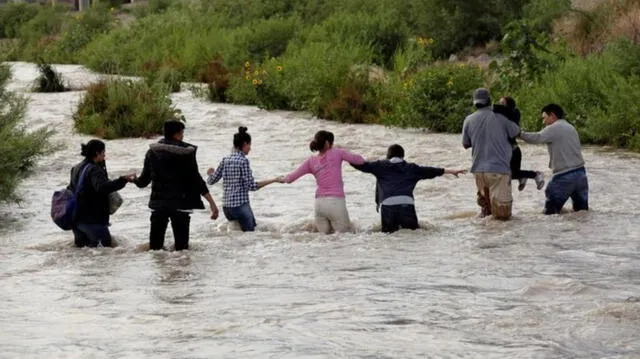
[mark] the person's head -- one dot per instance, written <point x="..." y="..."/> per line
<point x="395" y="151"/>
<point x="242" y="140"/>
<point x="322" y="141"/>
<point x="94" y="151"/>
<point x="481" y="98"/>
<point x="173" y="130"/>
<point x="508" y="102"/>
<point x="551" y="113"/>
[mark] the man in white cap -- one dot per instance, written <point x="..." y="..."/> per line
<point x="487" y="134"/>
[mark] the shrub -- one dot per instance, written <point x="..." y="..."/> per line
<point x="314" y="73"/>
<point x="19" y="147"/>
<point x="167" y="73"/>
<point x="216" y="76"/>
<point x="267" y="38"/>
<point x="437" y="98"/>
<point x="78" y="31"/>
<point x="39" y="35"/>
<point x="124" y="108"/>
<point x="599" y="97"/>
<point x="49" y="80"/>
<point x="13" y="16"/>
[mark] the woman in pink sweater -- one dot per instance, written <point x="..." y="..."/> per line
<point x="330" y="208"/>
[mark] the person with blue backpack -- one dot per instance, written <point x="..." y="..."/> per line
<point x="91" y="186"/>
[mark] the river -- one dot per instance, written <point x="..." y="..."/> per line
<point x="563" y="286"/>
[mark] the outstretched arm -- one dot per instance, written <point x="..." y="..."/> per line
<point x="303" y="169"/>
<point x="544" y="136"/>
<point x="352" y="158"/>
<point x="145" y="177"/>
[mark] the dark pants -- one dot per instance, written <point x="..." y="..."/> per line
<point x="398" y="216"/>
<point x="516" y="163"/>
<point x="574" y="185"/>
<point x="91" y="235"/>
<point x="179" y="223"/>
<point x="242" y="214"/>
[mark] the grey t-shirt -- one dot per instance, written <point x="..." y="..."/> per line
<point x="563" y="143"/>
<point x="488" y="134"/>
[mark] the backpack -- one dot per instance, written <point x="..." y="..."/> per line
<point x="63" y="203"/>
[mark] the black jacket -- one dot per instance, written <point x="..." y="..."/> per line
<point x="397" y="179"/>
<point x="512" y="115"/>
<point x="171" y="168"/>
<point x="93" y="198"/>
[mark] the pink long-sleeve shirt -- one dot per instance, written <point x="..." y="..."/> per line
<point x="327" y="169"/>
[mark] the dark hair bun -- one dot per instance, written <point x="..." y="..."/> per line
<point x="83" y="150"/>
<point x="313" y="146"/>
<point x="242" y="129"/>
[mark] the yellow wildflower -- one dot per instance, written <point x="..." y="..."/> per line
<point x="259" y="82"/>
<point x="264" y="72"/>
<point x="430" y="41"/>
<point x="450" y="83"/>
<point x="255" y="82"/>
<point x="247" y="77"/>
<point x="247" y="65"/>
<point x="278" y="68"/>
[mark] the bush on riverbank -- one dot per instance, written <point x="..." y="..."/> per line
<point x="49" y="80"/>
<point x="19" y="147"/>
<point x="600" y="94"/>
<point x="124" y="108"/>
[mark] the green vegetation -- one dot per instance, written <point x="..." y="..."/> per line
<point x="124" y="108"/>
<point x="19" y="147"/>
<point x="364" y="61"/>
<point x="49" y="80"/>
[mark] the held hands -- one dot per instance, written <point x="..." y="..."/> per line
<point x="214" y="211"/>
<point x="211" y="171"/>
<point x="130" y="178"/>
<point x="279" y="179"/>
<point x="455" y="172"/>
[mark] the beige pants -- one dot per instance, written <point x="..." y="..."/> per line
<point x="332" y="215"/>
<point x="494" y="194"/>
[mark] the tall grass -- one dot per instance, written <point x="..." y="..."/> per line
<point x="19" y="146"/>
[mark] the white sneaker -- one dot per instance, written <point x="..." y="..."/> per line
<point x="539" y="180"/>
<point x="521" y="183"/>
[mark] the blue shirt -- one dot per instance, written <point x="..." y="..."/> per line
<point x="237" y="179"/>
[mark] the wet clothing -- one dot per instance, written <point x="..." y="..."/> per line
<point x="563" y="144"/>
<point x="93" y="198"/>
<point x="396" y="180"/>
<point x="513" y="115"/>
<point x="176" y="187"/>
<point x="331" y="215"/>
<point x="327" y="170"/>
<point x="573" y="184"/>
<point x="565" y="160"/>
<point x="398" y="216"/>
<point x="494" y="194"/>
<point x="91" y="235"/>
<point x="179" y="224"/>
<point x="237" y="179"/>
<point x="489" y="135"/>
<point x="171" y="168"/>
<point x="243" y="214"/>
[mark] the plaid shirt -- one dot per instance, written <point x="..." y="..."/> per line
<point x="237" y="179"/>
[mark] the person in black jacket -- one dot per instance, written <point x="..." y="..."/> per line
<point x="176" y="186"/>
<point x="396" y="180"/>
<point x="91" y="219"/>
<point x="507" y="107"/>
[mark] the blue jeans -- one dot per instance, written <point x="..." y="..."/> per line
<point x="242" y="214"/>
<point x="574" y="185"/>
<point x="91" y="235"/>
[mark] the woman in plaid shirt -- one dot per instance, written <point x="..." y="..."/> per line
<point x="237" y="181"/>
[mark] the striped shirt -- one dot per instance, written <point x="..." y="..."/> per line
<point x="237" y="179"/>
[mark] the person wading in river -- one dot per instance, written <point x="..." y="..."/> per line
<point x="489" y="135"/>
<point x="176" y="186"/>
<point x="565" y="160"/>
<point x="396" y="180"/>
